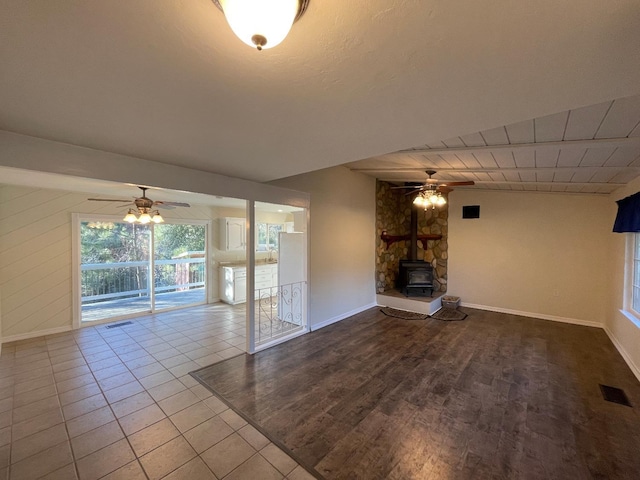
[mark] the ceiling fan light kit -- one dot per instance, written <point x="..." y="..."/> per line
<point x="144" y="207"/>
<point x="431" y="193"/>
<point x="262" y="24"/>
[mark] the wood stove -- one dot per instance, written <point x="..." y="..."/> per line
<point x="415" y="275"/>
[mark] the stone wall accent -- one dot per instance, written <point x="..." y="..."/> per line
<point x="393" y="214"/>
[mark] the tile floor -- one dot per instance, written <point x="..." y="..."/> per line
<point x="119" y="404"/>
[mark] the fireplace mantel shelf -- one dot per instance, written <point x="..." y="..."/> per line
<point x="391" y="239"/>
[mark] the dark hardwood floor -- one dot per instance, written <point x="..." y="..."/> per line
<point x="494" y="396"/>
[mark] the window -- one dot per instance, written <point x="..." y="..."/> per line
<point x="635" y="284"/>
<point x="267" y="236"/>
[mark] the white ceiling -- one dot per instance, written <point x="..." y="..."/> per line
<point x="593" y="149"/>
<point x="166" y="80"/>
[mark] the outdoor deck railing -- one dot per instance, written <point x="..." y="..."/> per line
<point x="107" y="281"/>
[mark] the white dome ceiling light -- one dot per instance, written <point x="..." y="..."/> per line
<point x="262" y="23"/>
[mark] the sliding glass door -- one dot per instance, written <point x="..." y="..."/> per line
<point x="131" y="269"/>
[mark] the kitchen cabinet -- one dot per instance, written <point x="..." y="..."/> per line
<point x="233" y="233"/>
<point x="233" y="282"/>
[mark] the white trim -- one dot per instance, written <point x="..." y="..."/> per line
<point x="542" y="316"/>
<point x="39" y="333"/>
<point x="627" y="358"/>
<point x="409" y="304"/>
<point x="76" y="278"/>
<point x="278" y="341"/>
<point x="340" y="317"/>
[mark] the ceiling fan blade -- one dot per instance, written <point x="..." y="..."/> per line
<point x="414" y="191"/>
<point x="457" y="184"/>
<point x="171" y="204"/>
<point x="444" y="189"/>
<point x="408" y="186"/>
<point x="108" y="200"/>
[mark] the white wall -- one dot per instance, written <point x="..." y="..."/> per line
<point x="539" y="254"/>
<point x="623" y="329"/>
<point x="36" y="258"/>
<point x="342" y="243"/>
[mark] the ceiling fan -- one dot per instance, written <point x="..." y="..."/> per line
<point x="144" y="205"/>
<point x="433" y="185"/>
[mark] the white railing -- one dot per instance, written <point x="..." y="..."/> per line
<point x="280" y="311"/>
<point x="105" y="281"/>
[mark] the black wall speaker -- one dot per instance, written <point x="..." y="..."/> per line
<point x="471" y="211"/>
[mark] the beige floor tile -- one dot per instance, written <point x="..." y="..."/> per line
<point x="89" y="421"/>
<point x="27" y="386"/>
<point x="36" y="443"/>
<point x="36" y="424"/>
<point x="31" y="396"/>
<point x="109" y="374"/>
<point x="123" y="391"/>
<point x="201" y="392"/>
<point x="227" y="455"/>
<point x="42" y="463"/>
<point x="131" y="471"/>
<point x="190" y="417"/>
<point x="7" y="404"/>
<point x="148" y="369"/>
<point x="188" y="381"/>
<point x="255" y="467"/>
<point x="68" y="472"/>
<point x="184" y="368"/>
<point x="76" y="362"/>
<point x="174" y="361"/>
<point x="136" y="421"/>
<point x="76" y="382"/>
<point x="71" y="373"/>
<point x="79" y="394"/>
<point x="253" y="437"/>
<point x="5" y="434"/>
<point x="81" y="407"/>
<point x="131" y="404"/>
<point x="215" y="404"/>
<point x="155" y="379"/>
<point x="121" y="377"/>
<point x="20" y="414"/>
<point x="207" y="434"/>
<point x="167" y="458"/>
<point x="234" y="420"/>
<point x="110" y="362"/>
<point x="153" y="436"/>
<point x="142" y="360"/>
<point x="177" y="402"/>
<point x="106" y="460"/>
<point x="300" y="473"/>
<point x="195" y="469"/>
<point x="209" y="360"/>
<point x="96" y="439"/>
<point x="167" y="389"/>
<point x="276" y="457"/>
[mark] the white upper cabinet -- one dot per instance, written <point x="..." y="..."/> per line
<point x="233" y="234"/>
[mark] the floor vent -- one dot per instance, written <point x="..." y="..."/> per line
<point x="121" y="324"/>
<point x="615" y="395"/>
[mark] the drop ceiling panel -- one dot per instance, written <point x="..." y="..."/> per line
<point x="495" y="136"/>
<point x="473" y="140"/>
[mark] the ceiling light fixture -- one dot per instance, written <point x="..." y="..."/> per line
<point x="429" y="198"/>
<point x="146" y="216"/>
<point x="262" y="23"/>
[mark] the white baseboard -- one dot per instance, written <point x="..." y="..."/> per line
<point x="342" y="316"/>
<point x="627" y="358"/>
<point x="554" y="318"/>
<point x="39" y="333"/>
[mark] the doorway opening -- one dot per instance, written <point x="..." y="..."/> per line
<point x="129" y="269"/>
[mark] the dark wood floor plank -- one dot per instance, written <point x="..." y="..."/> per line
<point x="494" y="396"/>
